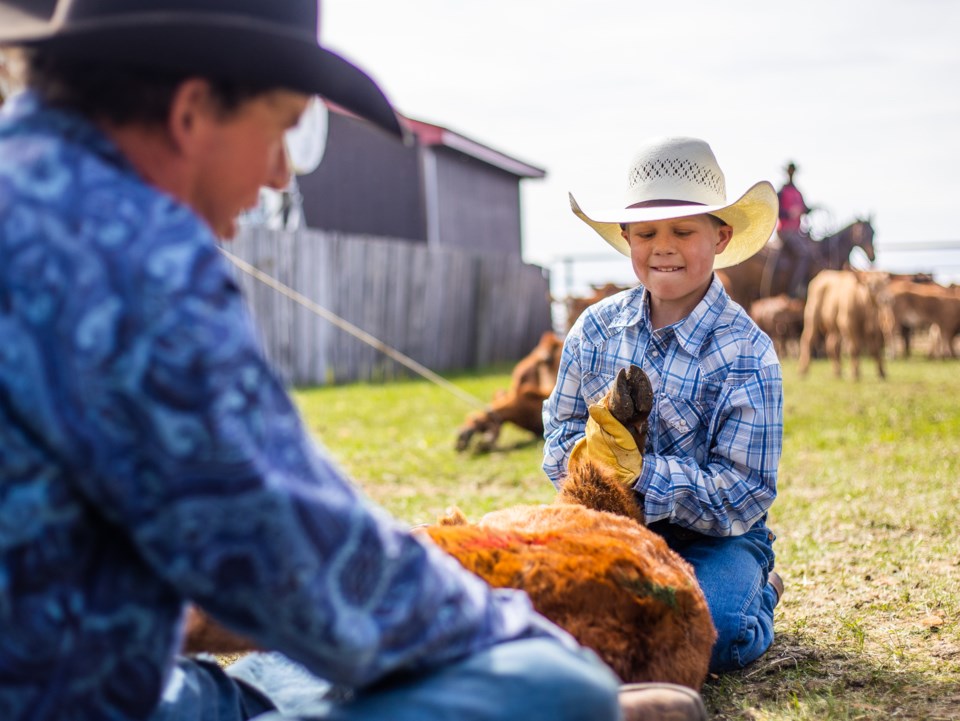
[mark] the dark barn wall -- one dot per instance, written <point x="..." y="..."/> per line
<point x="368" y="183"/>
<point x="478" y="205"/>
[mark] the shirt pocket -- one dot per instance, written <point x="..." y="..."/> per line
<point x="598" y="373"/>
<point x="682" y="428"/>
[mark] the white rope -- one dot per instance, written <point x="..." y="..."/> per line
<point x="352" y="330"/>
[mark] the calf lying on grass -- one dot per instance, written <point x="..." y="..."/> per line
<point x="589" y="566"/>
<point x="531" y="382"/>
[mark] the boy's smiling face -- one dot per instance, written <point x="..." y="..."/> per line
<point x="673" y="259"/>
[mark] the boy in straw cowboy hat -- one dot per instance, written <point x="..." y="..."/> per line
<point x="708" y="473"/>
<point x="151" y="456"/>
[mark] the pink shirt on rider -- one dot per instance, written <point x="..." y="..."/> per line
<point x="792" y="208"/>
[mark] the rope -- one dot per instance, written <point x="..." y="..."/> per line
<point x="353" y="330"/>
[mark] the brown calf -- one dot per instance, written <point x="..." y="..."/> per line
<point x="781" y="318"/>
<point x="591" y="567"/>
<point x="914" y="306"/>
<point x="576" y="305"/>
<point x="531" y="382"/>
<point x="843" y="309"/>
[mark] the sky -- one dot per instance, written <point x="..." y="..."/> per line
<point x="863" y="95"/>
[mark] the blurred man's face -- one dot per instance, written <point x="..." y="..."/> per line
<point x="242" y="152"/>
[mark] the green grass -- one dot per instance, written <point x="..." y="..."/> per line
<point x="868" y="525"/>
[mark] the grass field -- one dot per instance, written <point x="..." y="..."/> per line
<point x="868" y="525"/>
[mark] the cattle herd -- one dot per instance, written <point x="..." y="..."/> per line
<point x="847" y="313"/>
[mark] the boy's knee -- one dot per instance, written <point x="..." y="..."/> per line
<point x="742" y="638"/>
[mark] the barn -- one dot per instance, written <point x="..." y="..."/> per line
<point x="440" y="188"/>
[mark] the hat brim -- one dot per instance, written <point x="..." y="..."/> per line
<point x="243" y="52"/>
<point x="753" y="218"/>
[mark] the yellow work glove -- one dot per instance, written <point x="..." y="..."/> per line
<point x="609" y="444"/>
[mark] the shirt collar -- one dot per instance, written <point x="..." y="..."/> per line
<point x="26" y="112"/>
<point x="693" y="330"/>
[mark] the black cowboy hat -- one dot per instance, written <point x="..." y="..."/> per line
<point x="272" y="43"/>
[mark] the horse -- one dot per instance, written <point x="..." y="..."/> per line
<point x="764" y="275"/>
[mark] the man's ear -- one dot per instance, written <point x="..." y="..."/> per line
<point x="724" y="234"/>
<point x="190" y="109"/>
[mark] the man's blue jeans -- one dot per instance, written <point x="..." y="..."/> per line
<point x="732" y="572"/>
<point x="534" y="680"/>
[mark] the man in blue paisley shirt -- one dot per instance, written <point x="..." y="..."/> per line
<point x="149" y="456"/>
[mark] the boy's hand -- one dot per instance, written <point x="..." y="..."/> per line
<point x="616" y="430"/>
<point x="608" y="443"/>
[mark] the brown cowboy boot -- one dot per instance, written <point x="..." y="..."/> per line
<point x="661" y="702"/>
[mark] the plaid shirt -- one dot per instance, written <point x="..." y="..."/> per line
<point x="716" y="428"/>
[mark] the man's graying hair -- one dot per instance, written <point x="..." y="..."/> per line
<point x="117" y="93"/>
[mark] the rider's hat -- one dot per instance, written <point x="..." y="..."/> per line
<point x="259" y="42"/>
<point x="679" y="177"/>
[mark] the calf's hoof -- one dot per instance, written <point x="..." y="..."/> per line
<point x="631" y="400"/>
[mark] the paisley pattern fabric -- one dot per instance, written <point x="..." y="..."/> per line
<point x="149" y="455"/>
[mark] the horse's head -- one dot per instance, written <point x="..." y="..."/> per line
<point x="862" y="237"/>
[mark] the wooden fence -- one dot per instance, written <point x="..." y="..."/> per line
<point x="447" y="309"/>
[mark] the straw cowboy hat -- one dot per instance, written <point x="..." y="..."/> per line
<point x="272" y="43"/>
<point x="679" y="177"/>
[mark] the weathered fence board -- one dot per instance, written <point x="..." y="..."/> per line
<point x="447" y="309"/>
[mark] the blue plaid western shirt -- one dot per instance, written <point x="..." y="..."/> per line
<point x="716" y="429"/>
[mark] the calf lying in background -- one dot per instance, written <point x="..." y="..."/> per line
<point x="531" y="382"/>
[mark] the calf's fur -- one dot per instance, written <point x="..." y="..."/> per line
<point x="589" y="565"/>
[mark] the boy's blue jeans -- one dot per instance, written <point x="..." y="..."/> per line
<point x="732" y="572"/>
<point x="534" y="680"/>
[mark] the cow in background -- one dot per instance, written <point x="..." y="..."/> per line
<point x="900" y="323"/>
<point x="913" y="306"/>
<point x="843" y="309"/>
<point x="781" y="318"/>
<point x="521" y="404"/>
<point x="576" y="305"/>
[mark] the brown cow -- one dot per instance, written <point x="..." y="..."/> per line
<point x="522" y="404"/>
<point x="843" y="309"/>
<point x="589" y="566"/>
<point x="576" y="305"/>
<point x="913" y="306"/>
<point x="781" y="318"/>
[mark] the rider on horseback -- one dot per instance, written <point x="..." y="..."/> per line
<point x="796" y="242"/>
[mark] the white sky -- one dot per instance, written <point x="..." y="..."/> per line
<point x="864" y="95"/>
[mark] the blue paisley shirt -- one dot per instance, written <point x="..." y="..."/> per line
<point x="716" y="429"/>
<point x="148" y="455"/>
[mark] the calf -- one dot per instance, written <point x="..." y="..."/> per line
<point x="914" y="306"/>
<point x="531" y="382"/>
<point x="608" y="580"/>
<point x="576" y="305"/>
<point x="781" y="318"/>
<point x="843" y="308"/>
